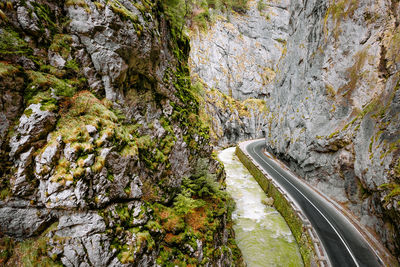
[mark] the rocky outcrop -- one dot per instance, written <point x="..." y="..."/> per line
<point x="236" y="60"/>
<point x="232" y="120"/>
<point x="334" y="107"/>
<point x="238" y="53"/>
<point x="106" y="162"/>
<point x="329" y="73"/>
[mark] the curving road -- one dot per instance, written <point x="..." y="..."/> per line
<point x="344" y="245"/>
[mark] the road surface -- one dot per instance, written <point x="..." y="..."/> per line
<point x="343" y="243"/>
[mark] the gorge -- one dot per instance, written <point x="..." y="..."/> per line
<point x="111" y="110"/>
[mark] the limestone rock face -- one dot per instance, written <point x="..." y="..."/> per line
<point x="24" y="222"/>
<point x="329" y="75"/>
<point x="232" y="120"/>
<point x="32" y="126"/>
<point x="100" y="140"/>
<point x="334" y="106"/>
<point x="236" y="60"/>
<point x="238" y="54"/>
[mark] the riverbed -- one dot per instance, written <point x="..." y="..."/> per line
<point x="261" y="232"/>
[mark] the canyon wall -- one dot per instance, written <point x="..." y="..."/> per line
<point x="104" y="160"/>
<point x="235" y="60"/>
<point x="335" y="106"/>
<point x="331" y="92"/>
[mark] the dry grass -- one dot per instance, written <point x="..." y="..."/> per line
<point x="197" y="219"/>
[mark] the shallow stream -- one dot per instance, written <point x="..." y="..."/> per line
<point x="261" y="232"/>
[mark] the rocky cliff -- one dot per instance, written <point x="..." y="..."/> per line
<point x="332" y="99"/>
<point x="235" y="58"/>
<point x="335" y="106"/>
<point x="239" y="52"/>
<point x="104" y="158"/>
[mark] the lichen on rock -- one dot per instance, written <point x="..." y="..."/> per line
<point x="102" y="134"/>
<point x="328" y="72"/>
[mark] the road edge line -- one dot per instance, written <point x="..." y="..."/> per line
<point x="310" y="246"/>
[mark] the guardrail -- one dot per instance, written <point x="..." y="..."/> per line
<point x="311" y="249"/>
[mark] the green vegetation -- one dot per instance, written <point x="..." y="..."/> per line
<point x="12" y="44"/>
<point x="354" y="73"/>
<point x="47" y="19"/>
<point x="261" y="5"/>
<point x="61" y="44"/>
<point x="283" y="206"/>
<point x="339" y="11"/>
<point x="4" y="193"/>
<point x="222" y="102"/>
<point x="120" y="9"/>
<point x="198" y="11"/>
<point x="80" y="3"/>
<point x="7" y="69"/>
<point x="394" y="191"/>
<point x="197" y="212"/>
<point x="99" y="5"/>
<point x="30" y="252"/>
<point x="127" y="14"/>
<point x="393" y="48"/>
<point x="44" y="81"/>
<point x="330" y="90"/>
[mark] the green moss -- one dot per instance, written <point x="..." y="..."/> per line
<point x="393" y="49"/>
<point x="52" y="70"/>
<point x="71" y="64"/>
<point x="368" y="108"/>
<point x="239" y="5"/>
<point x="12" y="44"/>
<point x="7" y="69"/>
<point x="394" y="191"/>
<point x="61" y="44"/>
<point x="333" y="135"/>
<point x="47" y="19"/>
<point x="283" y="206"/>
<point x="6" y="249"/>
<point x="330" y="90"/>
<point x="30" y="252"/>
<point x="176" y="11"/>
<point x="153" y="226"/>
<point x="28" y="112"/>
<point x="125" y="13"/>
<point x="144" y="142"/>
<point x="184" y="204"/>
<point x="195" y="213"/>
<point x="99" y="5"/>
<point x="3" y="16"/>
<point x="261" y="5"/>
<point x="43" y="81"/>
<point x="47" y="101"/>
<point x="83" y="109"/>
<point x="4" y="193"/>
<point x="80" y="3"/>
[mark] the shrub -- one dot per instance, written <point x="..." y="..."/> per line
<point x="261" y="5"/>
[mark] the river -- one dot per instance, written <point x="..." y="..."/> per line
<point x="261" y="232"/>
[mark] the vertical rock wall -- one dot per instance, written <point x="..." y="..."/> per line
<point x="104" y="160"/>
<point x="335" y="106"/>
<point x="238" y="54"/>
<point x="329" y="73"/>
<point x="236" y="60"/>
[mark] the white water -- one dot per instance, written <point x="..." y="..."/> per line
<point x="261" y="232"/>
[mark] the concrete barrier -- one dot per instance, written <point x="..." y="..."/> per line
<point x="310" y="246"/>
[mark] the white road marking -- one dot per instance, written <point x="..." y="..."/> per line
<point x="338" y="234"/>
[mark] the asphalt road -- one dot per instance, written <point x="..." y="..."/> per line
<point x="344" y="245"/>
